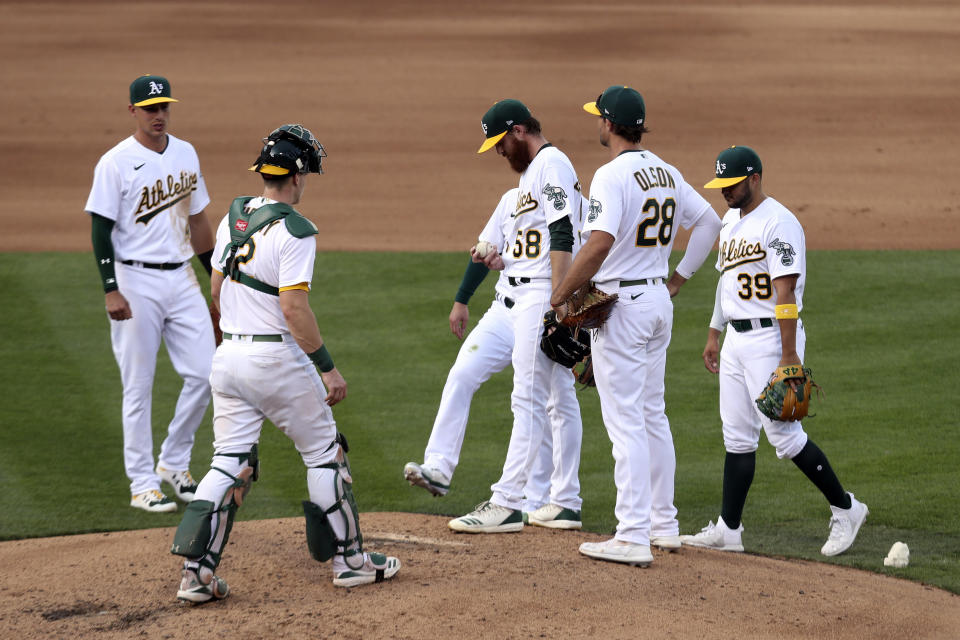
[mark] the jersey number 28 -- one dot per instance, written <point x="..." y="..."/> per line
<point x="656" y="213"/>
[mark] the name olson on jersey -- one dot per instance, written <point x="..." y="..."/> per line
<point x="736" y="252"/>
<point x="162" y="195"/>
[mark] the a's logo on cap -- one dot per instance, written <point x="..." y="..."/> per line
<point x="721" y="167"/>
<point x="156" y="89"/>
<point x="241" y="225"/>
<point x="483" y="125"/>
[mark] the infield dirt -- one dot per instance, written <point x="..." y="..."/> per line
<point x="850" y="105"/>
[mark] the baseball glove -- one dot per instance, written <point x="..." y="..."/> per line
<point x="215" y="319"/>
<point x="588" y="307"/>
<point x="583" y="372"/>
<point x="560" y="343"/>
<point x="780" y="401"/>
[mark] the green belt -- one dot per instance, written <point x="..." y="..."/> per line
<point x="651" y="281"/>
<point x="265" y="338"/>
<point x="745" y="325"/>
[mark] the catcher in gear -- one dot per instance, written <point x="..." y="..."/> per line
<point x="273" y="365"/>
<point x="762" y="262"/>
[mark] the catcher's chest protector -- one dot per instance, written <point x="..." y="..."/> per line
<point x="245" y="222"/>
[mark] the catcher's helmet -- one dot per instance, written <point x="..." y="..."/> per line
<point x="289" y="149"/>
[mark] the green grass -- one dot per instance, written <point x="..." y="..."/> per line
<point x="882" y="339"/>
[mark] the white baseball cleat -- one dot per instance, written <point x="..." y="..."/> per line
<point x="614" y="550"/>
<point x="489" y="518"/>
<point x="377" y="567"/>
<point x="844" y="526"/>
<point x="427" y="477"/>
<point x="553" y="516"/>
<point x="666" y="543"/>
<point x="717" y="536"/>
<point x="184" y="486"/>
<point x="153" y="501"/>
<point x="192" y="589"/>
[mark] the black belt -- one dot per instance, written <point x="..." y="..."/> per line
<point x="650" y="281"/>
<point x="507" y="302"/>
<point x="746" y="325"/>
<point x="165" y="266"/>
<point x="515" y="282"/>
<point x="262" y="338"/>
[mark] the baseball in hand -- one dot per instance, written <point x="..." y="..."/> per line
<point x="484" y="248"/>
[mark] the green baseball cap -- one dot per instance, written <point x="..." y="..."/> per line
<point x="148" y="89"/>
<point x="619" y="104"/>
<point x="499" y="118"/>
<point x="733" y="165"/>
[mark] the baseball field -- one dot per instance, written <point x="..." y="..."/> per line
<point x="850" y="106"/>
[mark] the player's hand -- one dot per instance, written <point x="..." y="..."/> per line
<point x="673" y="289"/>
<point x="561" y="311"/>
<point x="336" y="386"/>
<point x="494" y="261"/>
<point x="787" y="360"/>
<point x="117" y="306"/>
<point x="459" y="317"/>
<point x="711" y="353"/>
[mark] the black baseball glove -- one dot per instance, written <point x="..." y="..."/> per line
<point x="560" y="343"/>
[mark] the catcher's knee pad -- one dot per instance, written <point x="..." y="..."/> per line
<point x="333" y="523"/>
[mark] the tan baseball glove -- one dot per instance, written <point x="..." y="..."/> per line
<point x="588" y="307"/>
<point x="787" y="395"/>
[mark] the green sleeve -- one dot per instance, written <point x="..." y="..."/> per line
<point x="561" y="235"/>
<point x="103" y="250"/>
<point x="472" y="277"/>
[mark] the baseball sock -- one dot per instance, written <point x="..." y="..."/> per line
<point x="738" y="471"/>
<point x="814" y="464"/>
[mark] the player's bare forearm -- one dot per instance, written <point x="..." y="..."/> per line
<point x="216" y="283"/>
<point x="584" y="267"/>
<point x="300" y="319"/>
<point x="201" y="235"/>
<point x="711" y="353"/>
<point x="560" y="262"/>
<point x="788" y="326"/>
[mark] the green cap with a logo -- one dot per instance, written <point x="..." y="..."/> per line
<point x="147" y="90"/>
<point x="499" y="118"/>
<point x="619" y="104"/>
<point x="733" y="165"/>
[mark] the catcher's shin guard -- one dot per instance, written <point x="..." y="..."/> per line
<point x="205" y="529"/>
<point x="333" y="524"/>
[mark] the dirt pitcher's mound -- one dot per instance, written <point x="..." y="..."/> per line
<point x="528" y="585"/>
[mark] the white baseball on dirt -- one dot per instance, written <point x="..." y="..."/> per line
<point x="483" y="248"/>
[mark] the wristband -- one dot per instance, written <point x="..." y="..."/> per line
<point x="786" y="311"/>
<point x="321" y="358"/>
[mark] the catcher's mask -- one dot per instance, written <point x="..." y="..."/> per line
<point x="289" y="149"/>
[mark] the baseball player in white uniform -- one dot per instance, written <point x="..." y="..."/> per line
<point x="487" y="350"/>
<point x="637" y="202"/>
<point x="762" y="265"/>
<point x="147" y="212"/>
<point x="266" y="368"/>
<point x="537" y="239"/>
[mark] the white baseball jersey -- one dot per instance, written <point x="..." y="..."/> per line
<point x="548" y="191"/>
<point x="149" y="196"/>
<point x="766" y="244"/>
<point x="639" y="199"/>
<point x="272" y="256"/>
